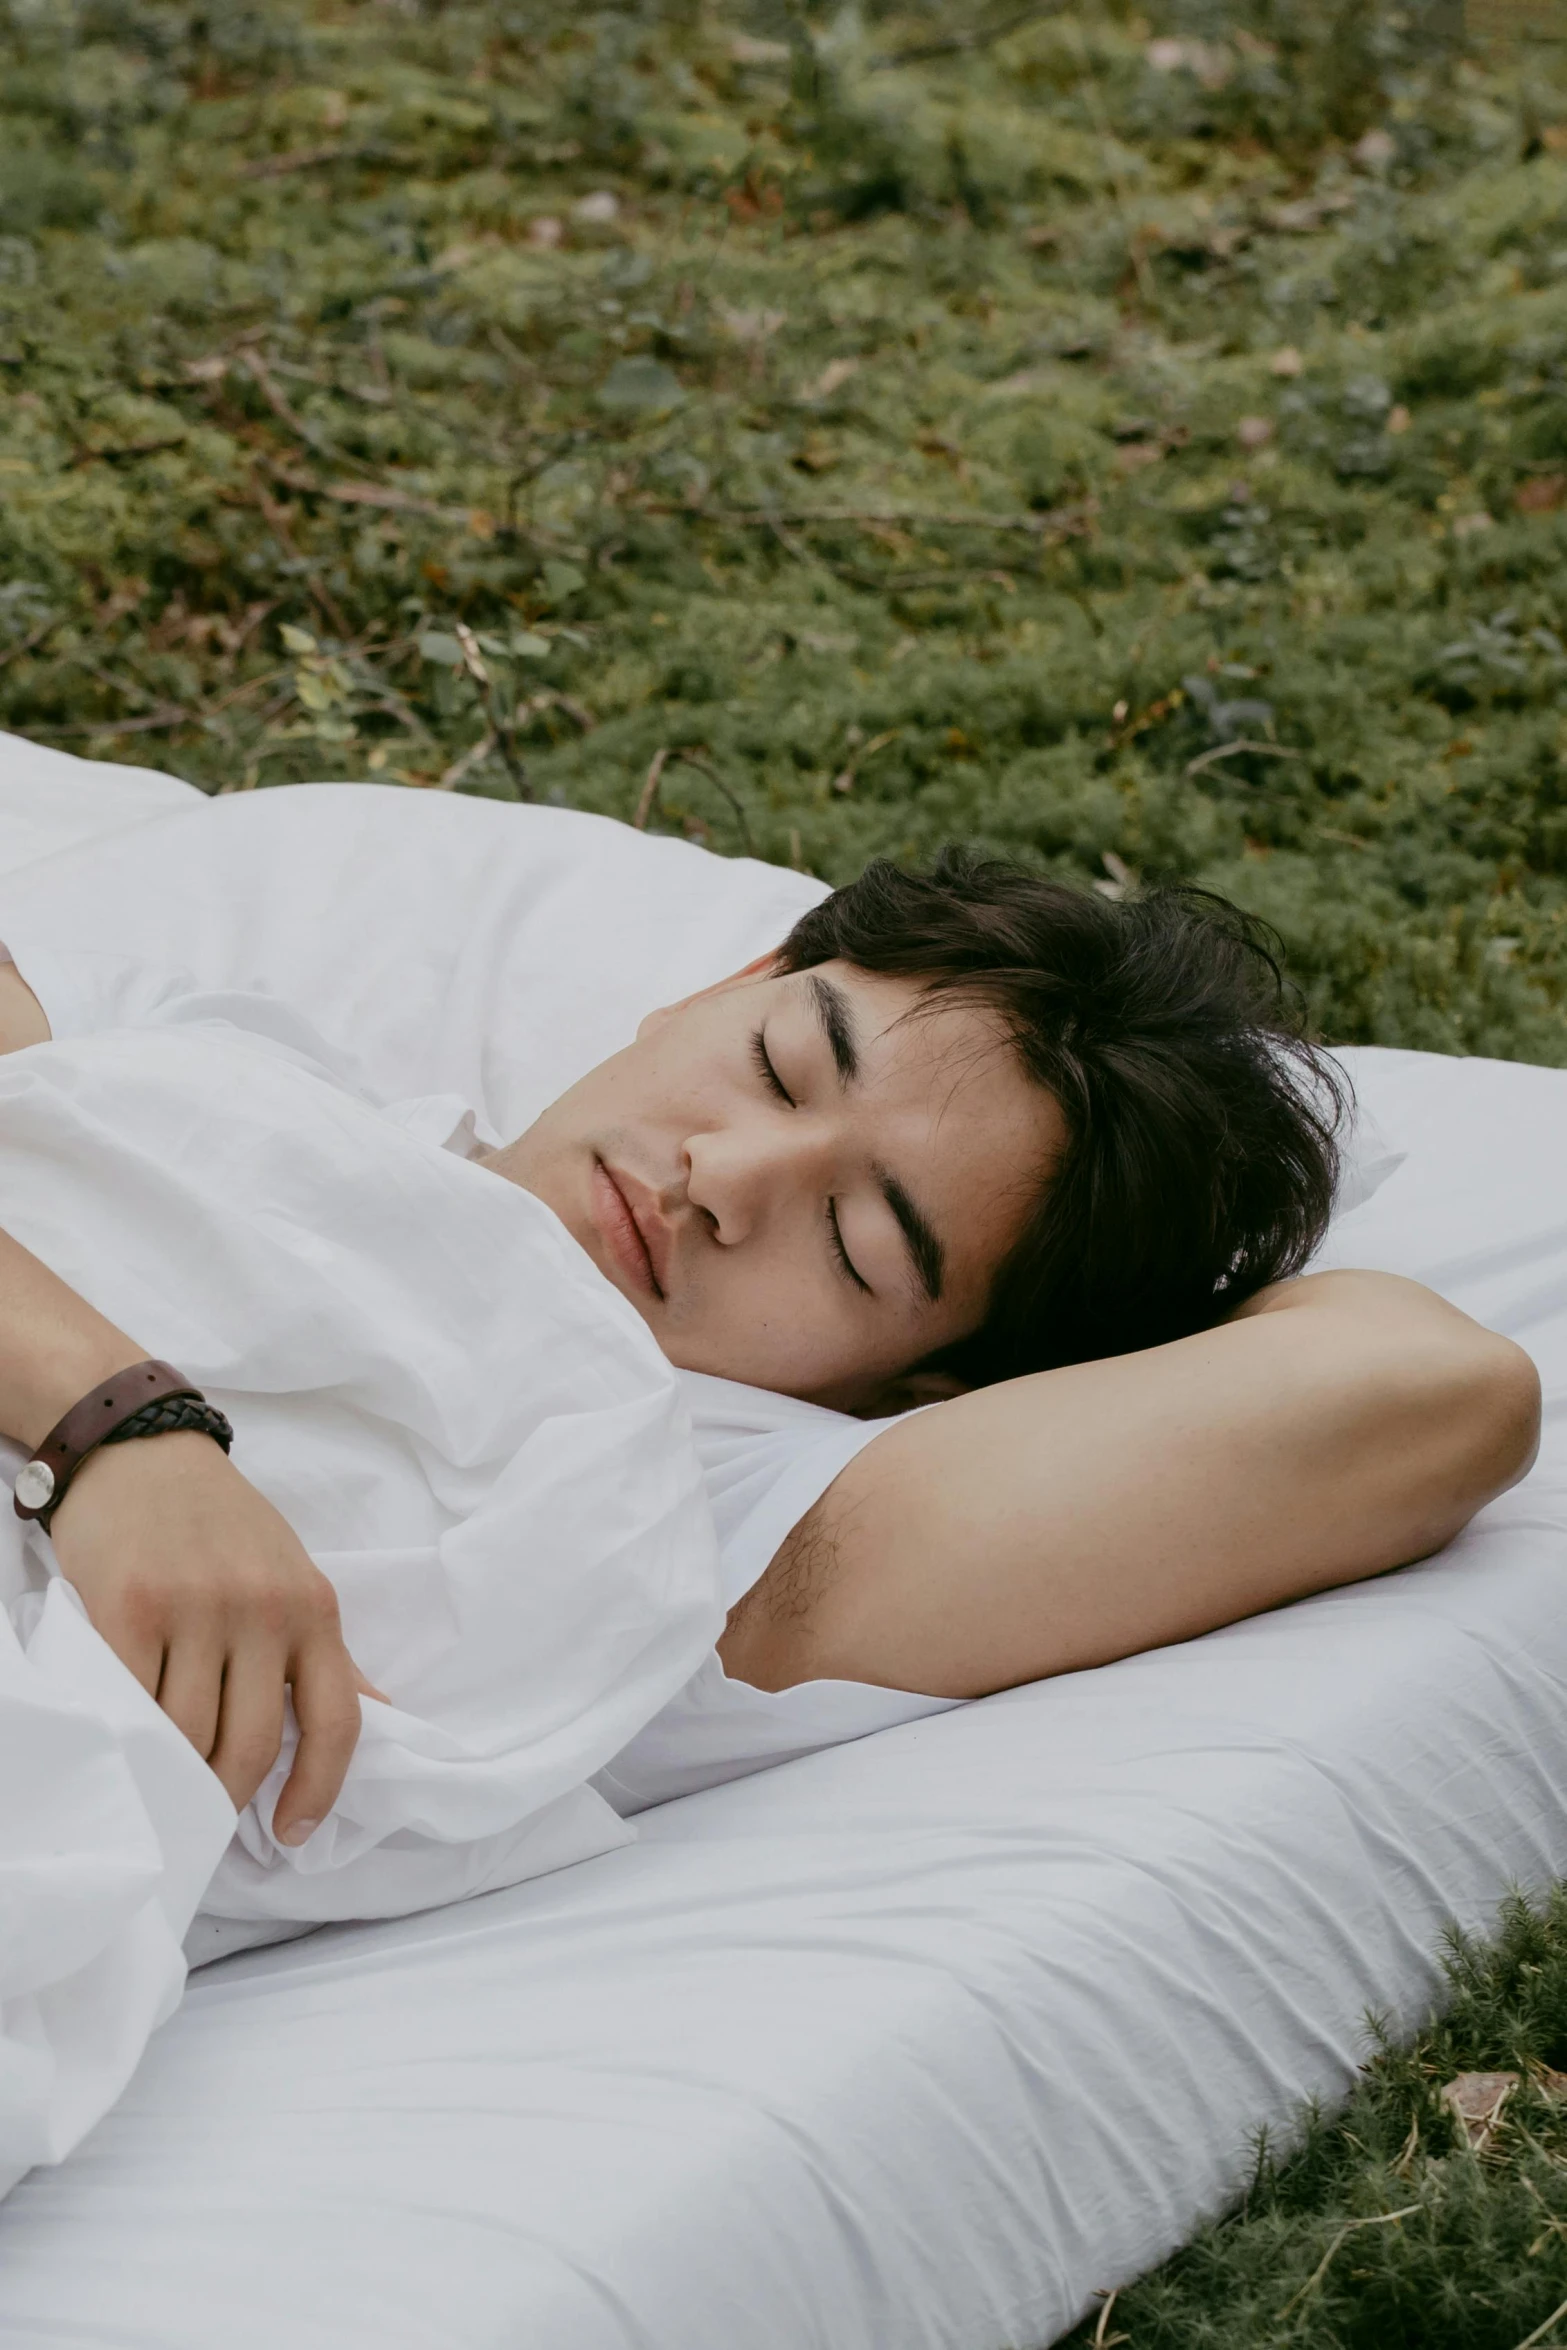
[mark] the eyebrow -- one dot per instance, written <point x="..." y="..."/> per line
<point x="835" y="1016"/>
<point x="924" y="1245"/>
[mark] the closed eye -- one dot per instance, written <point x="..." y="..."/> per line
<point x="762" y="1061"/>
<point x="765" y="1070"/>
<point x="845" y="1262"/>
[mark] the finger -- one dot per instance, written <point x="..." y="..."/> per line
<point x="368" y="1688"/>
<point x="190" y="1690"/>
<point x="135" y="1638"/>
<point x="250" y="1722"/>
<point x="326" y="1706"/>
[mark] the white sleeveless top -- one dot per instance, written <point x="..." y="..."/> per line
<point x="765" y="1460"/>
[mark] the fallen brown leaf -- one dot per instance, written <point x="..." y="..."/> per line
<point x="1475" y="2100"/>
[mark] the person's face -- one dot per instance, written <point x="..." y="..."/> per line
<point x="796" y="1183"/>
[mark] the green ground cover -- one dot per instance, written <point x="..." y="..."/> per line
<point x="1136" y="441"/>
<point x="898" y="432"/>
<point x="1399" y="2226"/>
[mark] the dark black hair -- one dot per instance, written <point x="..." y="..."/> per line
<point x="1202" y="1149"/>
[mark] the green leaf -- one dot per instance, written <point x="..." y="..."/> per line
<point x="526" y="644"/>
<point x="640" y="386"/>
<point x="438" y="646"/>
<point x="296" y="640"/>
<point x="562" y="580"/>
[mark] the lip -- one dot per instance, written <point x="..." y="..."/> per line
<point x="625" y="1213"/>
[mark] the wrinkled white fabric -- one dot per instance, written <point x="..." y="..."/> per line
<point x="110" y="1827"/>
<point x="474" y="1436"/>
<point x="765" y="1459"/>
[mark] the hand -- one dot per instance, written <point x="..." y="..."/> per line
<point x="205" y="1593"/>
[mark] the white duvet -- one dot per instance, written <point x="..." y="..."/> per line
<point x="472" y="1433"/>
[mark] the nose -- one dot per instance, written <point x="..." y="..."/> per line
<point x="741" y="1178"/>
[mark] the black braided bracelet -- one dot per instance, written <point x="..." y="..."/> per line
<point x="175" y="1412"/>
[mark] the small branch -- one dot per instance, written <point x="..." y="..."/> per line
<point x="266" y="384"/>
<point x="29" y="644"/>
<point x="500" y="728"/>
<point x="959" y="44"/>
<point x="577" y="712"/>
<point x="394" y="501"/>
<point x="475" y="754"/>
<point x="805" y="554"/>
<point x="276" y="519"/>
<point x="702" y="766"/>
<point x="1102" y="2340"/>
<point x="878" y="742"/>
<point x="171" y="715"/>
<point x="647" y="799"/>
<point x="1231" y="750"/>
<point x="1060" y="519"/>
<point x="1380" y="2219"/>
<point x="128" y="449"/>
<point x="1541" y="2331"/>
<point x="274" y="167"/>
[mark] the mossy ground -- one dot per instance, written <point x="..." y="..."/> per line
<point x="1137" y="442"/>
<point x="908" y="440"/>
<point x="1393" y="2228"/>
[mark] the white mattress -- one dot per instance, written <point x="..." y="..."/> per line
<point x="916" y="2042"/>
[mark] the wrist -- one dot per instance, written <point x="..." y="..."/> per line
<point x="179" y="1457"/>
<point x="146" y="1400"/>
<point x="73" y="1365"/>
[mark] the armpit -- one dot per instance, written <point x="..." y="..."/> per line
<point x="770" y="1638"/>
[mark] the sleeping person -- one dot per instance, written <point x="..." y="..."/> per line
<point x="916" y="1313"/>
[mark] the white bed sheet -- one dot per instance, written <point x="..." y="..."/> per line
<point x="915" y="2042"/>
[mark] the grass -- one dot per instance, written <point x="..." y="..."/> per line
<point x="1134" y="441"/>
<point x="1395" y="2227"/>
<point x="913" y="439"/>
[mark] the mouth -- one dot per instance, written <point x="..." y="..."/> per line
<point x="634" y="1235"/>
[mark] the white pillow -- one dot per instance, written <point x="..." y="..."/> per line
<point x="48" y="800"/>
<point x="454" y="945"/>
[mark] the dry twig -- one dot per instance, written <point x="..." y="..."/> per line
<point x="1540" y="2331"/>
<point x="500" y="727"/>
<point x="957" y="44"/>
<point x="647" y="799"/>
<point x="30" y="643"/>
<point x="474" y="756"/>
<point x="1380" y="2219"/>
<point x="1063" y="520"/>
<point x="1231" y="750"/>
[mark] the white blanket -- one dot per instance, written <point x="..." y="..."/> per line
<point x="473" y="1434"/>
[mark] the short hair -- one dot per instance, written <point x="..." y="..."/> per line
<point x="1203" y="1129"/>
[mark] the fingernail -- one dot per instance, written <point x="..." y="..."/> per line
<point x="300" y="1833"/>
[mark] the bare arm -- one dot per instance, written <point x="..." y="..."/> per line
<point x="195" y="1581"/>
<point x="1343" y="1424"/>
<point x="22" y="1018"/>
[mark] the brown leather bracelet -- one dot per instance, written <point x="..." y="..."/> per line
<point x="42" y="1483"/>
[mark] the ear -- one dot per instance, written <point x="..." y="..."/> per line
<point x="761" y="967"/>
<point x="908" y="1392"/>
